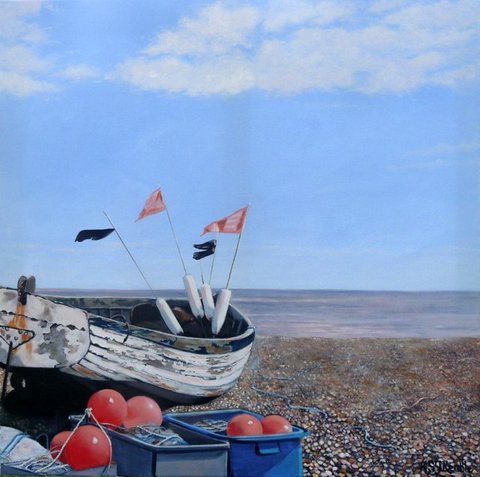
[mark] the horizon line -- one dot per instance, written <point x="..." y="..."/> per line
<point x="148" y="291"/>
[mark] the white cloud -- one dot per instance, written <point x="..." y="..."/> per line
<point x="442" y="155"/>
<point x="22" y="84"/>
<point x="21" y="68"/>
<point x="440" y="14"/>
<point x="25" y="69"/>
<point x="279" y="46"/>
<point x="205" y="55"/>
<point x="217" y="30"/>
<point x="80" y="72"/>
<point x="381" y="6"/>
<point x="281" y="14"/>
<point x="311" y="59"/>
<point x="287" y="46"/>
<point x="219" y="75"/>
<point x="14" y="25"/>
<point x="444" y="149"/>
<point x="440" y="163"/>
<point x="21" y="59"/>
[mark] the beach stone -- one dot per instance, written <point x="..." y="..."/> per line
<point x="446" y="428"/>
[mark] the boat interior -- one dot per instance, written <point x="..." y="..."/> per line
<point x="144" y="313"/>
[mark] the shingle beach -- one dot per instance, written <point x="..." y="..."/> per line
<point x="373" y="407"/>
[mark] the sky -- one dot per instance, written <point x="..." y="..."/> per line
<point x="350" y="127"/>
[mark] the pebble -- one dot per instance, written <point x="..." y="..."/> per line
<point x="444" y="431"/>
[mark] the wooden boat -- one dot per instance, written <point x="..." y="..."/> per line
<point x="120" y="343"/>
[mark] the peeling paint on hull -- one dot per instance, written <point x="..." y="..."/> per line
<point x="166" y="367"/>
<point x="186" y="369"/>
<point x="43" y="334"/>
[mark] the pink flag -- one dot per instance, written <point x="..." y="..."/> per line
<point x="153" y="205"/>
<point x="232" y="224"/>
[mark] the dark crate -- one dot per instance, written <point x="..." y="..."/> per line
<point x="203" y="456"/>
<point x="104" y="471"/>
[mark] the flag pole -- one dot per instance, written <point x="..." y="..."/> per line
<point x="201" y="271"/>
<point x="235" y="254"/>
<point x="175" y="238"/>
<point x="128" y="251"/>
<point x="213" y="260"/>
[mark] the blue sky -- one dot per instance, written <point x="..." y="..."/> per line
<point x="350" y="127"/>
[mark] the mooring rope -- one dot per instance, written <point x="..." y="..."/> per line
<point x="369" y="440"/>
<point x="67" y="440"/>
<point x="312" y="409"/>
<point x="273" y="394"/>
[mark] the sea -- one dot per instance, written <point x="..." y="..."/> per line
<point x="342" y="313"/>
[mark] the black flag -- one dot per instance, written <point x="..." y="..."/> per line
<point x="94" y="234"/>
<point x="207" y="248"/>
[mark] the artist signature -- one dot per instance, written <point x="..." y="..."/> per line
<point x="440" y="465"/>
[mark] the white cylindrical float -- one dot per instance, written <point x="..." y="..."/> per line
<point x="207" y="299"/>
<point x="168" y="317"/>
<point x="221" y="308"/>
<point x="193" y="296"/>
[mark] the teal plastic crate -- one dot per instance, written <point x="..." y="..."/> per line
<point x="272" y="455"/>
<point x="203" y="456"/>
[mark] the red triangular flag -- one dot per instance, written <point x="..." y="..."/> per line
<point x="232" y="224"/>
<point x="153" y="205"/>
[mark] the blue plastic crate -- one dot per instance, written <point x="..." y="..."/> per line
<point x="273" y="455"/>
<point x="14" y="469"/>
<point x="203" y="456"/>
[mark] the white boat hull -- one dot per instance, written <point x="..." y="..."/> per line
<point x="41" y="333"/>
<point x="140" y="360"/>
<point x="104" y="352"/>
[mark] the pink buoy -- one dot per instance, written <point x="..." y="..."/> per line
<point x="88" y="447"/>
<point x="275" y="424"/>
<point x="244" y="425"/>
<point x="109" y="407"/>
<point x="57" y="443"/>
<point x="142" y="411"/>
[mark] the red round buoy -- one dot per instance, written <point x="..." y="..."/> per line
<point x="142" y="411"/>
<point x="57" y="443"/>
<point x="88" y="447"/>
<point x="244" y="425"/>
<point x="275" y="424"/>
<point x="109" y="407"/>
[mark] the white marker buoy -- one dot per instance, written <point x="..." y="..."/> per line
<point x="168" y="316"/>
<point x="221" y="308"/>
<point x="193" y="296"/>
<point x="207" y="298"/>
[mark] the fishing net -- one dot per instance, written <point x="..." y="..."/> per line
<point x="15" y="446"/>
<point x="154" y="435"/>
<point x="217" y="426"/>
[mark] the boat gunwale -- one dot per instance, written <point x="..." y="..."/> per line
<point x="222" y="341"/>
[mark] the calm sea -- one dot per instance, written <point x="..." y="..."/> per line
<point x="345" y="314"/>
